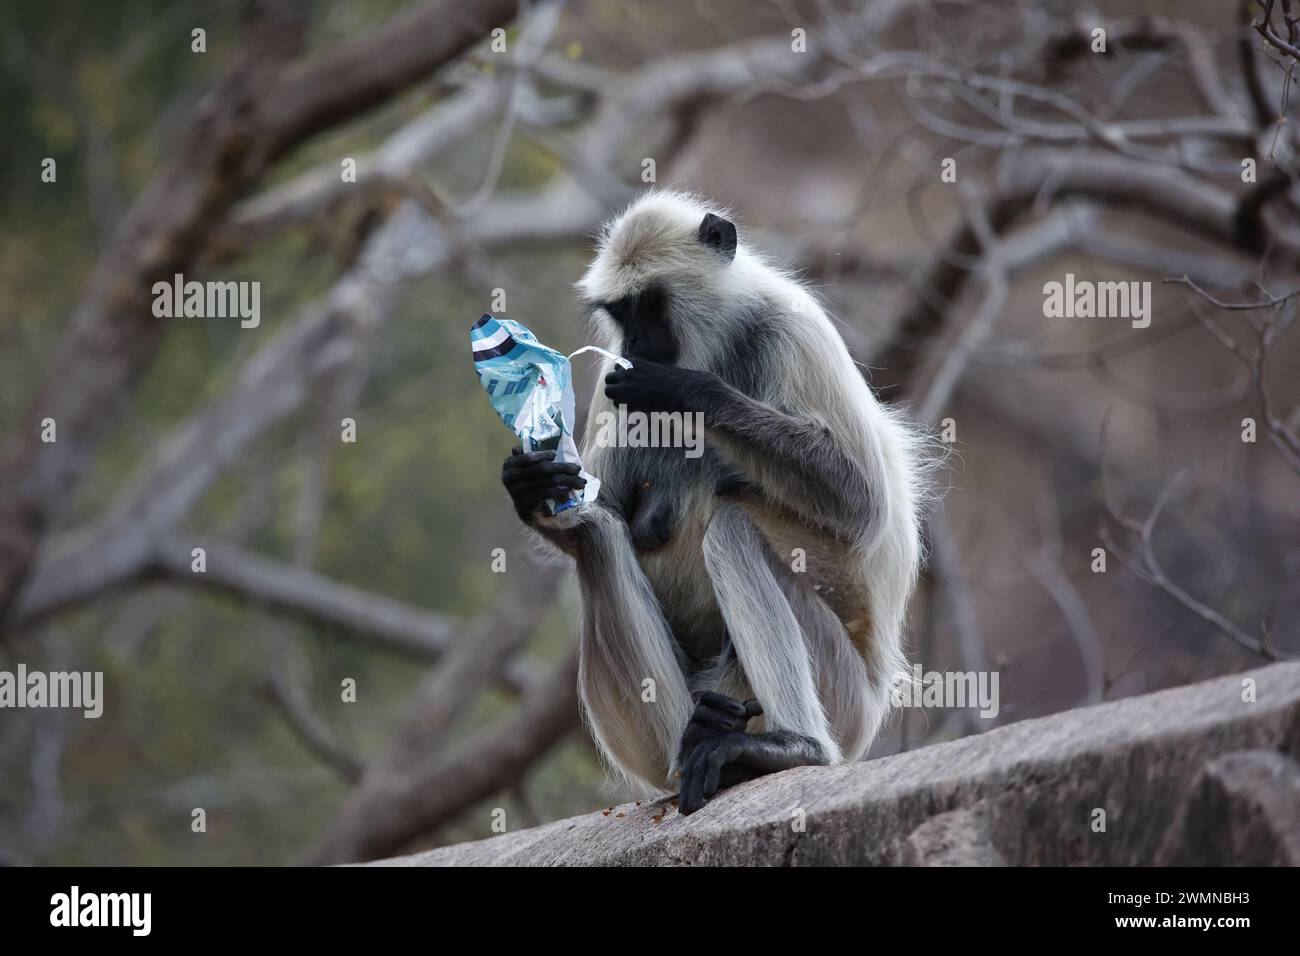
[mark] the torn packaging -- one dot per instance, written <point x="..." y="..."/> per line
<point x="531" y="388"/>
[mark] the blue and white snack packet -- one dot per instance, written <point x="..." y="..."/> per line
<point x="531" y="388"/>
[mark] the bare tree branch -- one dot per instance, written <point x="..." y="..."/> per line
<point x="275" y="382"/>
<point x="963" y="612"/>
<point x="288" y="588"/>
<point x="1039" y="177"/>
<point x="1046" y="567"/>
<point x="481" y="656"/>
<point x="382" y="817"/>
<point x="359" y="75"/>
<point x="284" y="690"/>
<point x="1267" y="331"/>
<point x="1264" y="112"/>
<point x="313" y="192"/>
<point x="259" y="111"/>
<point x="1147" y="566"/>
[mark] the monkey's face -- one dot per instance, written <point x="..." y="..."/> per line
<point x="644" y="324"/>
<point x="656" y="282"/>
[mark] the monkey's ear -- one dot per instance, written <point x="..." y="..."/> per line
<point x="718" y="233"/>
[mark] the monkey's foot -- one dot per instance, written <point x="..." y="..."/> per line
<point x="715" y="715"/>
<point x="730" y="758"/>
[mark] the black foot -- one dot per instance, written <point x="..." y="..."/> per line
<point x="730" y="758"/>
<point x="715" y="715"/>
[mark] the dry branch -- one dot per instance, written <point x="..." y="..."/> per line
<point x="386" y="813"/>
<point x="263" y="107"/>
<point x="1037" y="178"/>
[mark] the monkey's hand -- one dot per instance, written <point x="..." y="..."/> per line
<point x="535" y="478"/>
<point x="652" y="387"/>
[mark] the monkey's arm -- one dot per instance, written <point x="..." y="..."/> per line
<point x="794" y="459"/>
<point x="630" y="669"/>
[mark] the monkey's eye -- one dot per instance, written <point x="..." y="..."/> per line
<point x="620" y="311"/>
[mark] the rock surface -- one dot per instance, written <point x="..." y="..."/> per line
<point x="1259" y="792"/>
<point x="1196" y="774"/>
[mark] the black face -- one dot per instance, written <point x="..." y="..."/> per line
<point x="643" y="319"/>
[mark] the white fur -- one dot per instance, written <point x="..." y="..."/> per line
<point x="863" y="570"/>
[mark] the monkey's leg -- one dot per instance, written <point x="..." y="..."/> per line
<point x="854" y="704"/>
<point x="773" y="653"/>
<point x="626" y="642"/>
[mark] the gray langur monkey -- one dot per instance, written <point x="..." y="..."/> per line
<point x="762" y="586"/>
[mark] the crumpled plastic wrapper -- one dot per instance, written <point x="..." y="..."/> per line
<point x="531" y="388"/>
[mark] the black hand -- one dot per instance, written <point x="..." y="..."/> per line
<point x="651" y="387"/>
<point x="536" y="478"/>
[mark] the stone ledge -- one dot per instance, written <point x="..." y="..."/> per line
<point x="1189" y="775"/>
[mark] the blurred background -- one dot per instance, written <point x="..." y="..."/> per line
<point x="1119" y="513"/>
